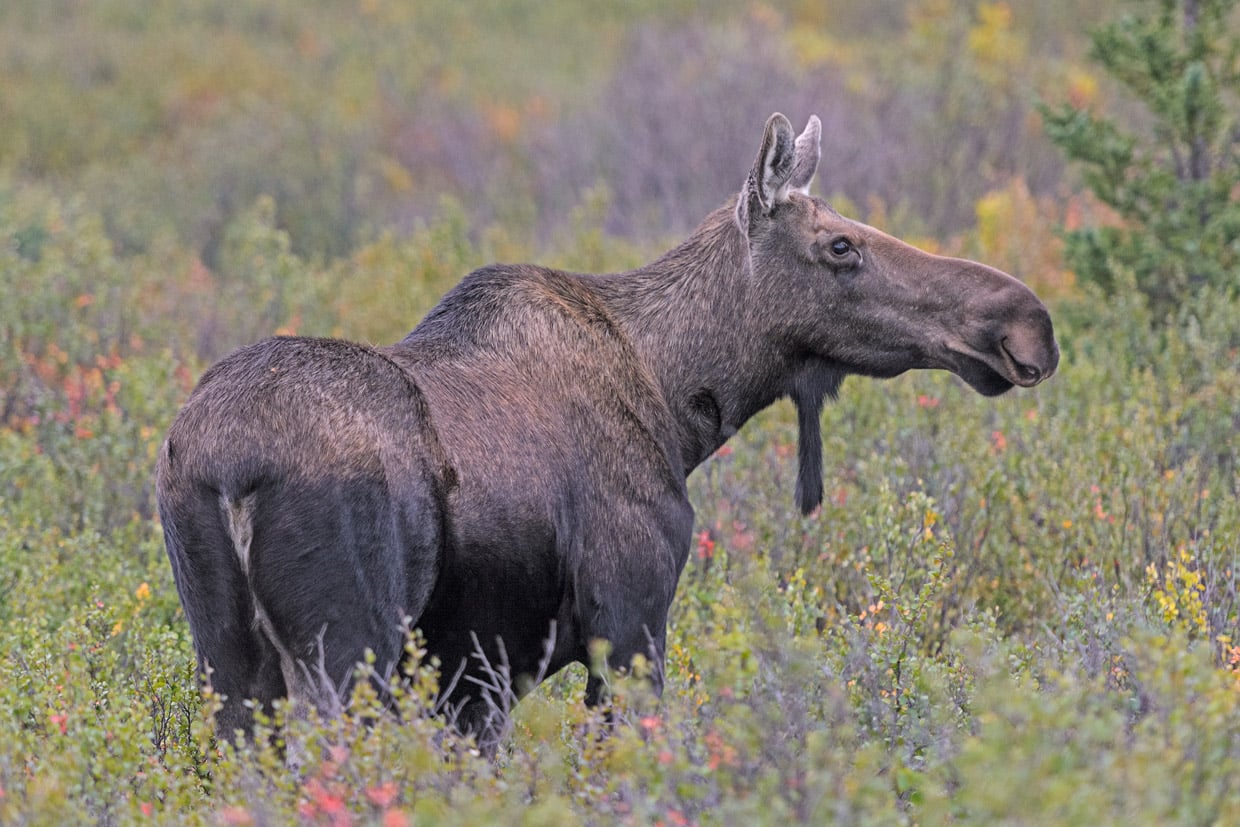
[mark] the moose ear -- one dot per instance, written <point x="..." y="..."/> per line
<point x="767" y="184"/>
<point x="808" y="152"/>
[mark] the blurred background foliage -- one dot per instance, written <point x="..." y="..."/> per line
<point x="1020" y="610"/>
<point x="171" y="118"/>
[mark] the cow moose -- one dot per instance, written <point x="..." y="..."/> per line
<point x="511" y="475"/>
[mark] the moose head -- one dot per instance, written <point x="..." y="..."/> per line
<point x="839" y="297"/>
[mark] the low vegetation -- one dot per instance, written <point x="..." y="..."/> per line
<point x="1004" y="607"/>
<point x="1016" y="610"/>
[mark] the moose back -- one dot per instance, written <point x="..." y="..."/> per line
<point x="511" y="475"/>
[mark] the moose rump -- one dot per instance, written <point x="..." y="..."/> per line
<point x="303" y="516"/>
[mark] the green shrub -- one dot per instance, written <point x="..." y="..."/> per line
<point x="1170" y="181"/>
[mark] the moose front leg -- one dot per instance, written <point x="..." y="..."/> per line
<point x="619" y="661"/>
<point x="624" y="594"/>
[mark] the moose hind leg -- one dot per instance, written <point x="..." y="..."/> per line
<point x="328" y="571"/>
<point x="238" y="664"/>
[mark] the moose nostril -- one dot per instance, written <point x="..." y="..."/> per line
<point x="1028" y="372"/>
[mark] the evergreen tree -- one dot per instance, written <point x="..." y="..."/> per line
<point x="1174" y="181"/>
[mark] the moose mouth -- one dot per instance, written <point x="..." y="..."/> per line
<point x="982" y="377"/>
<point x="991" y="374"/>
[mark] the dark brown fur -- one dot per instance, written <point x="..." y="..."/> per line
<point x="517" y="464"/>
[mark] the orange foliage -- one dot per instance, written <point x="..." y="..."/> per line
<point x="1082" y="88"/>
<point x="504" y="121"/>
<point x="309" y="44"/>
<point x="1017" y="232"/>
<point x="81" y="394"/>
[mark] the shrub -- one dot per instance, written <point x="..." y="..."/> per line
<point x="1172" y="180"/>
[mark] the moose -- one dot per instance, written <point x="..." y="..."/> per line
<point x="510" y="477"/>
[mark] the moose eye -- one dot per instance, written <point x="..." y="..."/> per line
<point x="837" y="252"/>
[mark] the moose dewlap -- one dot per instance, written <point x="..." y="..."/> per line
<point x="511" y="475"/>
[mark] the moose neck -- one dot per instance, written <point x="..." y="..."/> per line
<point x="690" y="315"/>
